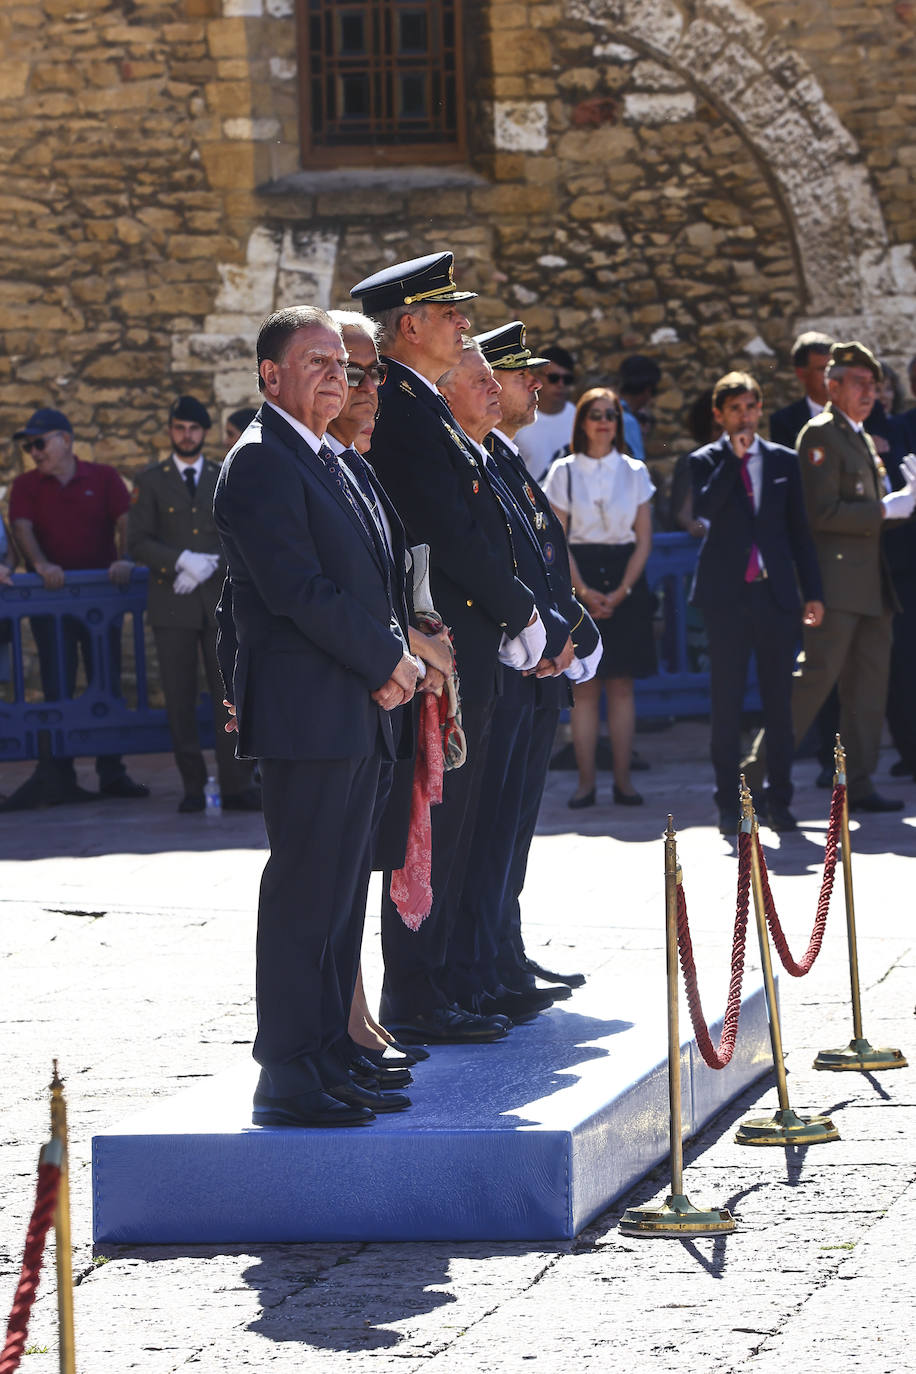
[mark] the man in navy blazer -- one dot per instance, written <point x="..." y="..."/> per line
<point x="313" y="661"/>
<point x="756" y="552"/>
<point x="810" y="356"/>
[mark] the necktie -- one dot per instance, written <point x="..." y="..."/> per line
<point x="357" y="467"/>
<point x="328" y="458"/>
<point x="190" y="481"/>
<point x="752" y="571"/>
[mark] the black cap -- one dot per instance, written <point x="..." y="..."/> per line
<point x="854" y="354"/>
<point x="421" y="281"/>
<point x="44" y="421"/>
<point x="190" y="409"/>
<point x="241" y="419"/>
<point x="504" y="348"/>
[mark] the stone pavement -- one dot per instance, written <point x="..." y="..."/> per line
<point x="127" y="950"/>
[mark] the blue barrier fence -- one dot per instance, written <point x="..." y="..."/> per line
<point x="100" y="720"/>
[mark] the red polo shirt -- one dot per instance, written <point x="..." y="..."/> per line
<point x="74" y="524"/>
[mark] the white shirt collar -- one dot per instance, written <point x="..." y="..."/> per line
<point x="507" y="441"/>
<point x="814" y="407"/>
<point x="183" y="466"/>
<point x="856" y="425"/>
<point x="335" y="445"/>
<point x="481" y="450"/>
<point x="302" y="430"/>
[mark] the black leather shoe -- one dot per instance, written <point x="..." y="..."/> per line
<point x="507" y="1002"/>
<point x="125" y="788"/>
<point x="355" y="1096"/>
<point x="780" y="819"/>
<point x="487" y="1005"/>
<point x="622" y="798"/>
<point x="308" y="1109"/>
<point x="193" y="801"/>
<point x="901" y="769"/>
<point x="728" y="824"/>
<point x="249" y="800"/>
<point x="416" y="1052"/>
<point x="376" y="1078"/>
<point x="578" y="803"/>
<point x="572" y="980"/>
<point x="824" y="779"/>
<point x="448" y="1026"/>
<point x="875" y="802"/>
<point x="389" y="1058"/>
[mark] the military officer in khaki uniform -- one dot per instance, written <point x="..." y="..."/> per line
<point x="847" y="497"/>
<point x="171" y="530"/>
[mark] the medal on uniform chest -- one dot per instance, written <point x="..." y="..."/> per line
<point x="540" y="521"/>
<point x="550" y="553"/>
<point x="860" y="487"/>
<point x="475" y="486"/>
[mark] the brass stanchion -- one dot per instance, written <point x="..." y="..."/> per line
<point x="66" y="1339"/>
<point x="677" y="1215"/>
<point x="858" y="1054"/>
<point x="784" y="1128"/>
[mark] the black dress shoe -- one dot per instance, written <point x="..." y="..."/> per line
<point x="448" y="1026"/>
<point x="902" y="769"/>
<point x="780" y="819"/>
<point x="249" y="800"/>
<point x="376" y="1078"/>
<point x="875" y="802"/>
<point x="518" y="1006"/>
<point x="578" y="803"/>
<point x="416" y="1052"/>
<point x="192" y="801"/>
<point x="125" y="788"/>
<point x="824" y="779"/>
<point x="355" y="1096"/>
<point x="622" y="798"/>
<point x="572" y="980"/>
<point x="308" y="1109"/>
<point x="389" y="1057"/>
<point x="728" y="823"/>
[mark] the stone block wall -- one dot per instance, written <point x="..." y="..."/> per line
<point x="693" y="179"/>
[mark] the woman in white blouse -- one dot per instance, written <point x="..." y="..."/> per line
<point x="602" y="496"/>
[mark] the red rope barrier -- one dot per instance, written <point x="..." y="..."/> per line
<point x="717" y="1058"/>
<point x="802" y="966"/>
<point x="42" y="1217"/>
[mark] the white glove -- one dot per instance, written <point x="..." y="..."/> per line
<point x="584" y="669"/>
<point x="184" y="583"/>
<point x="525" y="650"/>
<point x="898" y="505"/>
<point x="200" y="566"/>
<point x="908" y="468"/>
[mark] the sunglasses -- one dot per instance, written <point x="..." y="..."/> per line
<point x="356" y="375"/>
<point x="601" y="415"/>
<point x="37" y="444"/>
<point x="560" y="378"/>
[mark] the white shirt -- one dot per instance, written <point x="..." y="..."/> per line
<point x="340" y="448"/>
<point x="541" y="441"/>
<point x="814" y="407"/>
<point x="599" y="495"/>
<point x="313" y="440"/>
<point x="196" y="467"/>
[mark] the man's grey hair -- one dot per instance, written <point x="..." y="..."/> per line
<point x="468" y="345"/>
<point x="352" y="319"/>
<point x="278" y="329"/>
<point x="389" y="322"/>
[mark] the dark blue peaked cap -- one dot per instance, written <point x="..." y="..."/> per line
<point x="421" y="281"/>
<point x="505" y="349"/>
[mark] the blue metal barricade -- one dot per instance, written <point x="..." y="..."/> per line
<point x="85" y="615"/>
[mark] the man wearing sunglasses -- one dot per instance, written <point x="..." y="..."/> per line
<point x="68" y="515"/>
<point x="549" y="434"/>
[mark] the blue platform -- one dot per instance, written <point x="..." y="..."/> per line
<point x="527" y="1139"/>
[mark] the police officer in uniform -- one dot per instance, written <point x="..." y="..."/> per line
<point x="171" y="529"/>
<point x="848" y="500"/>
<point x="436" y="479"/>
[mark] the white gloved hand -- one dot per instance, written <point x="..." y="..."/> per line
<point x="908" y="468"/>
<point x="527" y="649"/>
<point x="898" y="505"/>
<point x="200" y="566"/>
<point x="184" y="583"/>
<point x="584" y="669"/>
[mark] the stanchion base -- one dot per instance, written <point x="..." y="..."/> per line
<point x="860" y="1056"/>
<point x="785" y="1128"/>
<point x="677" y="1216"/>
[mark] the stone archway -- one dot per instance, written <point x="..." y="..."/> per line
<point x="855" y="279"/>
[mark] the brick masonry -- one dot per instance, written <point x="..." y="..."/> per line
<point x="694" y="180"/>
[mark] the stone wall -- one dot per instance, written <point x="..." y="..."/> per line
<point x="694" y="180"/>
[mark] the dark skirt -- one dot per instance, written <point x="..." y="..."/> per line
<point x="628" y="638"/>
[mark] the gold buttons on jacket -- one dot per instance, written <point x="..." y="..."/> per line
<point x="470" y="603"/>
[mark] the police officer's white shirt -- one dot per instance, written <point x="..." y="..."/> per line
<point x="600" y="496"/>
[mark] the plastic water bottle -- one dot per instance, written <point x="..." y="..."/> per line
<point x="213" y="800"/>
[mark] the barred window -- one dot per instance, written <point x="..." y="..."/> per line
<point x="380" y="81"/>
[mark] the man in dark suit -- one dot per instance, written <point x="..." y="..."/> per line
<point x="437" y="481"/>
<point x="756" y="551"/>
<point x="170" y="528"/>
<point x="313" y="663"/>
<point x="810" y="355"/>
